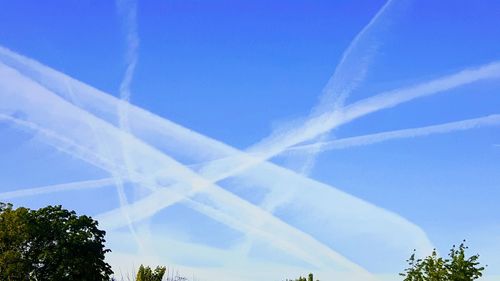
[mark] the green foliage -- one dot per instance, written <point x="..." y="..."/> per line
<point x="310" y="277"/>
<point x="461" y="268"/>
<point x="14" y="235"/>
<point x="50" y="244"/>
<point x="147" y="274"/>
<point x="433" y="268"/>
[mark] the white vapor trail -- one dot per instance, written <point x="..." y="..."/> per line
<point x="352" y="68"/>
<point x="89" y="184"/>
<point x="200" y="148"/>
<point x="348" y="75"/>
<point x="329" y="120"/>
<point x="128" y="12"/>
<point x="62" y="144"/>
<point x="491" y="120"/>
<point x="21" y="94"/>
<point x="118" y="181"/>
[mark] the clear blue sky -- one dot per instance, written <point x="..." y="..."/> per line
<point x="235" y="71"/>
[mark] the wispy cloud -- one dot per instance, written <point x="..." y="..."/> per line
<point x="491" y="120"/>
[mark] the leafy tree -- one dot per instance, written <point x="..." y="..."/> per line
<point x="147" y="274"/>
<point x="310" y="277"/>
<point x="462" y="268"/>
<point x="50" y="244"/>
<point x="434" y="268"/>
<point x="14" y="235"/>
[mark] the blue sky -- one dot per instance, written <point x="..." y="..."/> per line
<point x="239" y="72"/>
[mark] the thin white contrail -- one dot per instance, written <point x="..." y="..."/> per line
<point x="349" y="73"/>
<point x="118" y="181"/>
<point x="80" y="185"/>
<point x="326" y="121"/>
<point x="17" y="92"/>
<point x="128" y="12"/>
<point x="62" y="143"/>
<point x="352" y="68"/>
<point x="195" y="144"/>
<point x="491" y="120"/>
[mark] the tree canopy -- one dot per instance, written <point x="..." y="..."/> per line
<point x="50" y="243"/>
<point x="147" y="274"/>
<point x="457" y="267"/>
<point x="310" y="277"/>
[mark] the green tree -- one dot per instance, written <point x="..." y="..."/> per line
<point x="50" y="243"/>
<point x="310" y="277"/>
<point x="147" y="274"/>
<point x="434" y="268"/>
<point x="462" y="268"/>
<point x="14" y="235"/>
